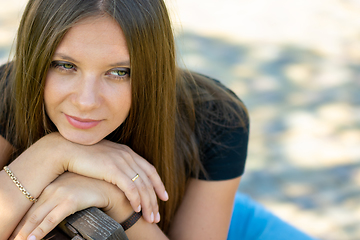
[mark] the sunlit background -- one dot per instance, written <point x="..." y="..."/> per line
<point x="295" y="64"/>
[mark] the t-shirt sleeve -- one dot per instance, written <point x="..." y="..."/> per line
<point x="4" y="118"/>
<point x="225" y="156"/>
<point x="2" y="130"/>
<point x="2" y="123"/>
<point x="223" y="144"/>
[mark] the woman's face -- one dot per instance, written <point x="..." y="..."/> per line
<point x="88" y="90"/>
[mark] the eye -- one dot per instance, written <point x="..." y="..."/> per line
<point x="63" y="66"/>
<point x="119" y="73"/>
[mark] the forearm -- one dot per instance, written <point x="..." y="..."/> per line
<point x="35" y="169"/>
<point x="13" y="205"/>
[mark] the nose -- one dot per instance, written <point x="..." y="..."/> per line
<point x="87" y="93"/>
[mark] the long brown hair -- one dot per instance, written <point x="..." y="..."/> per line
<point x="161" y="125"/>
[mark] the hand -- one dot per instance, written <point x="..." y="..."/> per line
<point x="118" y="164"/>
<point x="68" y="194"/>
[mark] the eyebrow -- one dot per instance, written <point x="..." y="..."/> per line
<point x="65" y="57"/>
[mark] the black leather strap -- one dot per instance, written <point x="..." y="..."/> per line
<point x="131" y="220"/>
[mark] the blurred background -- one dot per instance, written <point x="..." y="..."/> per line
<point x="295" y="64"/>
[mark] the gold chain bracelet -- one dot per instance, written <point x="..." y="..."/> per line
<point x="18" y="184"/>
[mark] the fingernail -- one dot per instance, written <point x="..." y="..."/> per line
<point x="138" y="208"/>
<point x="166" y="195"/>
<point x="31" y="237"/>
<point x="152" y="217"/>
<point x="157" y="219"/>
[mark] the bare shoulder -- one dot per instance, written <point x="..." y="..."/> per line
<point x="5" y="151"/>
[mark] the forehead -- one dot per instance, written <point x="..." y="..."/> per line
<point x="94" y="32"/>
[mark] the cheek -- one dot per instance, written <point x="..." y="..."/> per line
<point x="53" y="95"/>
<point x="48" y="93"/>
<point x="122" y="102"/>
<point x="55" y="90"/>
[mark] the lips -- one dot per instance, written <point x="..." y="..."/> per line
<point x="82" y="123"/>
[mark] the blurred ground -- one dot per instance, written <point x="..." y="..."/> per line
<point x="295" y="64"/>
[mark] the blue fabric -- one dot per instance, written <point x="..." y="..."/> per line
<point x="252" y="221"/>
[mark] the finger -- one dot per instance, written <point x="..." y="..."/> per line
<point x="147" y="193"/>
<point x="121" y="178"/>
<point x="148" y="196"/>
<point x="32" y="219"/>
<point x="154" y="203"/>
<point x="51" y="220"/>
<point x="23" y="234"/>
<point x="114" y="170"/>
<point x="154" y="177"/>
<point x="151" y="173"/>
<point x="145" y="199"/>
<point x="142" y="187"/>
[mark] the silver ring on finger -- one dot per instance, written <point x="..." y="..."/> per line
<point x="134" y="178"/>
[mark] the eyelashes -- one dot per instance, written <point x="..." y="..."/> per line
<point x="63" y="66"/>
<point x="67" y="67"/>
<point x="119" y="72"/>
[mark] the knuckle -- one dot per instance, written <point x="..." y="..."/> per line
<point x="142" y="186"/>
<point x="149" y="186"/>
<point x="154" y="203"/>
<point x="19" y="237"/>
<point x="156" y="208"/>
<point x="134" y="198"/>
<point x="51" y="220"/>
<point x="152" y="171"/>
<point x="146" y="207"/>
<point x="126" y="155"/>
<point x="126" y="148"/>
<point x="135" y="201"/>
<point x="121" y="161"/>
<point x="34" y="219"/>
<point x="132" y="187"/>
<point x="59" y="190"/>
<point x="41" y="231"/>
<point x="71" y="200"/>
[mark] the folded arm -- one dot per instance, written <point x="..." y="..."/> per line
<point x="52" y="155"/>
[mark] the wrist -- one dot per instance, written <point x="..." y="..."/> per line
<point x="56" y="151"/>
<point x="130" y="221"/>
<point x="118" y="206"/>
<point x="37" y="166"/>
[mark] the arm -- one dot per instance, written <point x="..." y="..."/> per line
<point x="70" y="193"/>
<point x="206" y="210"/>
<point x="204" y="214"/>
<point x="49" y="157"/>
<point x="31" y="173"/>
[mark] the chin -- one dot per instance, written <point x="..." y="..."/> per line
<point x="82" y="139"/>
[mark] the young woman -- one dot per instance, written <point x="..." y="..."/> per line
<point x="94" y="112"/>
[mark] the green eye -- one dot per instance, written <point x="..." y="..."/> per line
<point x="67" y="66"/>
<point x="119" y="73"/>
<point x="63" y="66"/>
